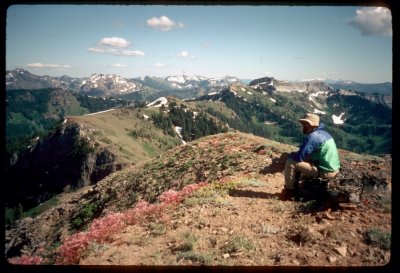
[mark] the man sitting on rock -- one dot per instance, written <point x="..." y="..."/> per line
<point x="317" y="156"/>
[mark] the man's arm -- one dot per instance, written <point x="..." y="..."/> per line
<point x="306" y="149"/>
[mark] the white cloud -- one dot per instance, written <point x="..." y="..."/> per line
<point x="159" y="65"/>
<point x="183" y="54"/>
<point x="131" y="53"/>
<point x="40" y="65"/>
<point x="373" y="21"/>
<point x="114" y="41"/>
<point x="163" y="23"/>
<point x="116" y="51"/>
<point x="115" y="46"/>
<point x="119" y="65"/>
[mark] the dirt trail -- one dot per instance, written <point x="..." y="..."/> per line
<point x="249" y="226"/>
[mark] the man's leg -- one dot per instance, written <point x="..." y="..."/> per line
<point x="291" y="175"/>
<point x="329" y="175"/>
<point x="307" y="169"/>
<point x="294" y="169"/>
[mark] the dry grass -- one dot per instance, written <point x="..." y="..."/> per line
<point x="112" y="130"/>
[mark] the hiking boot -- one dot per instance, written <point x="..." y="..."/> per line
<point x="289" y="194"/>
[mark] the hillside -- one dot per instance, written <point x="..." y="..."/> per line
<point x="266" y="107"/>
<point x="81" y="151"/>
<point x="92" y="146"/>
<point x="381" y="88"/>
<point x="32" y="113"/>
<point x="214" y="201"/>
<point x="358" y="123"/>
<point x="84" y="149"/>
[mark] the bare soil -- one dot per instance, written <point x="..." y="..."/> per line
<point x="251" y="226"/>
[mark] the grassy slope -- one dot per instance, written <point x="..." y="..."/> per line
<point x="112" y="130"/>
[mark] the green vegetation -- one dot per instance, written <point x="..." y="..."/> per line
<point x="97" y="104"/>
<point x="238" y="243"/>
<point x="193" y="127"/>
<point x="375" y="236"/>
<point x="157" y="228"/>
<point x="32" y="113"/>
<point x="251" y="115"/>
<point x="86" y="214"/>
<point x="41" y="208"/>
<point x="81" y="147"/>
<point x="149" y="149"/>
<point x="12" y="214"/>
<point x="362" y="131"/>
<point x="187" y="250"/>
<point x="196" y="257"/>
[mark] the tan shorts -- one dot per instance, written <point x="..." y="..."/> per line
<point x="294" y="169"/>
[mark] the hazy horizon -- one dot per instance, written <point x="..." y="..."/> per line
<point x="285" y="42"/>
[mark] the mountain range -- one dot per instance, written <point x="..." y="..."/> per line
<point x="111" y="84"/>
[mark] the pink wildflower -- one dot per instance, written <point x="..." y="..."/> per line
<point x="102" y="230"/>
<point x="26" y="260"/>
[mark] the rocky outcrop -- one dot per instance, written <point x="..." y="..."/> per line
<point x="302" y="87"/>
<point x="271" y="84"/>
<point x="66" y="159"/>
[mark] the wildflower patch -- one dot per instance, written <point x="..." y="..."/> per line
<point x="102" y="229"/>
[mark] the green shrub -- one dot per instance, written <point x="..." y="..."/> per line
<point x="238" y="243"/>
<point x="375" y="236"/>
<point x="157" y="229"/>
<point x="41" y="208"/>
<point x="87" y="213"/>
<point x="195" y="257"/>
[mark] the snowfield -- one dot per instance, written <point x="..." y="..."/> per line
<point x="338" y="119"/>
<point x="91" y="114"/>
<point x="316" y="111"/>
<point x="158" y="102"/>
<point x="178" y="130"/>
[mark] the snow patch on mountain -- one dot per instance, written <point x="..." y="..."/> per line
<point x="338" y="119"/>
<point x="319" y="93"/>
<point x="235" y="93"/>
<point x="184" y="78"/>
<point x="316" y="111"/>
<point x="109" y="82"/>
<point x="179" y="79"/>
<point x="178" y="131"/>
<point x="158" y="102"/>
<point x="91" y="114"/>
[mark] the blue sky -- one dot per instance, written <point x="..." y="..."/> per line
<point x="248" y="42"/>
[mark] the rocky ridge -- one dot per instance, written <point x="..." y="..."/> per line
<point x="285" y="233"/>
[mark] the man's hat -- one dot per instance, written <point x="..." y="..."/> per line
<point x="312" y="119"/>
